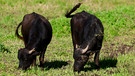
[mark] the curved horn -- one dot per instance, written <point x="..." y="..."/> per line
<point x="84" y="50"/>
<point x="32" y="50"/>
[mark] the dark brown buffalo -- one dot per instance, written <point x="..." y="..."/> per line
<point x="87" y="36"/>
<point x="36" y="34"/>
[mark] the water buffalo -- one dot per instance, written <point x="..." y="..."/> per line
<point x="36" y="34"/>
<point x="87" y="36"/>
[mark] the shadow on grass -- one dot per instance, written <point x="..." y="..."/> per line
<point x="104" y="63"/>
<point x="54" y="64"/>
<point x="4" y="49"/>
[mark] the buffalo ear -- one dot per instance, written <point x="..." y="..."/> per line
<point x="89" y="51"/>
<point x="35" y="53"/>
<point x="20" y="49"/>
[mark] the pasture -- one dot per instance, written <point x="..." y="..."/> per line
<point x="117" y="57"/>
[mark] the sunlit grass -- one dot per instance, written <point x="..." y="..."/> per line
<point x="117" y="16"/>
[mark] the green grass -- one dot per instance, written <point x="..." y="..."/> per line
<point x="117" y="54"/>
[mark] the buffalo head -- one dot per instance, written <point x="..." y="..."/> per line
<point x="81" y="56"/>
<point x="26" y="58"/>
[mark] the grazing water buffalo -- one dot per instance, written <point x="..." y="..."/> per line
<point x="36" y="34"/>
<point x="87" y="36"/>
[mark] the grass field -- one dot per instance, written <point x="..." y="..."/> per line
<point x="117" y="56"/>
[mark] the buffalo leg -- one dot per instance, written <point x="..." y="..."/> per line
<point x="34" y="62"/>
<point x="96" y="59"/>
<point x="41" y="58"/>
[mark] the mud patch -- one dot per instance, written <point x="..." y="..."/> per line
<point x="114" y="49"/>
<point x="123" y="49"/>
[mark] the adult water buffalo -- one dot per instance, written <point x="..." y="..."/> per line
<point x="36" y="34"/>
<point x="87" y="36"/>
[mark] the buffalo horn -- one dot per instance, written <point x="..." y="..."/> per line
<point x="32" y="50"/>
<point x="85" y="49"/>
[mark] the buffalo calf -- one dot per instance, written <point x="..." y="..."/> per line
<point x="36" y="34"/>
<point x="87" y="36"/>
